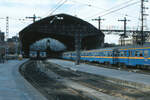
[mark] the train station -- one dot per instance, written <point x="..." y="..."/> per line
<point x="67" y="55"/>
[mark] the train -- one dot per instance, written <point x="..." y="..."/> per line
<point x="38" y="50"/>
<point x="36" y="54"/>
<point x="135" y="56"/>
<point x="43" y="49"/>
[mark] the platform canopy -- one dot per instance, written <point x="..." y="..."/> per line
<point x="63" y="28"/>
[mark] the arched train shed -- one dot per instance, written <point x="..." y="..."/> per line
<point x="63" y="28"/>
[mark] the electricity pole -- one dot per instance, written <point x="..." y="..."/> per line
<point x="142" y="20"/>
<point x="34" y="18"/>
<point x="99" y="21"/>
<point x="7" y="27"/>
<point x="125" y="29"/>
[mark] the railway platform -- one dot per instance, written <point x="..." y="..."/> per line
<point x="132" y="79"/>
<point x="13" y="86"/>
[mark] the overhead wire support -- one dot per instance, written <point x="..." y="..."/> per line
<point x="34" y="18"/>
<point x="125" y="30"/>
<point x="99" y="19"/>
<point x="7" y="27"/>
<point x="142" y="21"/>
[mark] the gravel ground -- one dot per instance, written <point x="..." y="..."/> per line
<point x="55" y="90"/>
<point x="143" y="70"/>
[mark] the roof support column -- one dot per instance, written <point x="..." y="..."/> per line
<point x="77" y="48"/>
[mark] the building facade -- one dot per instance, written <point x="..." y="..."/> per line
<point x="128" y="41"/>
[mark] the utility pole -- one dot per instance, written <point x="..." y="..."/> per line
<point x="125" y="29"/>
<point x="142" y="20"/>
<point x="34" y="18"/>
<point x="7" y="27"/>
<point x="99" y="21"/>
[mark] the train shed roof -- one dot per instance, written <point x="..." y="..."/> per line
<point x="61" y="27"/>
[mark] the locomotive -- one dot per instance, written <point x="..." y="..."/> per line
<point x="124" y="56"/>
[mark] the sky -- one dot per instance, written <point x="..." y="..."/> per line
<point x="18" y="10"/>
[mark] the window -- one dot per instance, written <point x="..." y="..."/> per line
<point x="104" y="54"/>
<point x="118" y="53"/>
<point x="125" y="53"/>
<point x="141" y="53"/>
<point x="115" y="54"/>
<point x="136" y="53"/>
<point x="109" y="54"/>
<point x="145" y="53"/>
<point x="100" y="53"/>
<point x="121" y="53"/>
<point x="130" y="53"/>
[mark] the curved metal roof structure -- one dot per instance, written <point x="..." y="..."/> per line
<point x="63" y="28"/>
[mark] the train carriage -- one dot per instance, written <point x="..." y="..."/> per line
<point x="33" y="54"/>
<point x="129" y="55"/>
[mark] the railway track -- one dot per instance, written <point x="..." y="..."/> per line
<point x="50" y="88"/>
<point x="66" y="85"/>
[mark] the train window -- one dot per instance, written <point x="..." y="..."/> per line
<point x="95" y="53"/>
<point x="121" y="53"/>
<point x="108" y="53"/>
<point x="100" y="53"/>
<point x="141" y="53"/>
<point x="84" y="54"/>
<point x="125" y="53"/>
<point x="130" y="53"/>
<point x="145" y="53"/>
<point x="104" y="54"/>
<point x="117" y="53"/>
<point x="136" y="53"/>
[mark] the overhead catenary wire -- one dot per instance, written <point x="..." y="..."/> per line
<point x="105" y="10"/>
<point x="119" y="5"/>
<point x="120" y="8"/>
<point x="114" y="7"/>
<point x="58" y="7"/>
<point x="86" y="4"/>
<point x="47" y="13"/>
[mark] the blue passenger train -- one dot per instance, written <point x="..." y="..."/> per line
<point x="41" y="55"/>
<point x="128" y="55"/>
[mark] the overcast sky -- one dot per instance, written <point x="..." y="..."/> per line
<point x="84" y="9"/>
